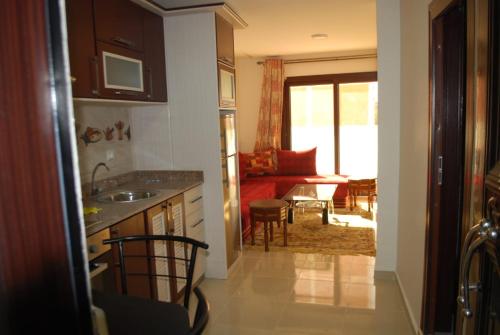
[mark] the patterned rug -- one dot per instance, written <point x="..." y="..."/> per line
<point x="348" y="233"/>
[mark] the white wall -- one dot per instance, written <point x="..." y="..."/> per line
<point x="413" y="151"/>
<point x="388" y="32"/>
<point x="249" y="82"/>
<point x="194" y="114"/>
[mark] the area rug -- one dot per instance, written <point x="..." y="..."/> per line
<point x="348" y="233"/>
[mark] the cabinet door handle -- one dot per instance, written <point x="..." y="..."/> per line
<point x="123" y="41"/>
<point x="95" y="64"/>
<point x="197" y="223"/>
<point x="150" y="76"/>
<point x="126" y="93"/>
<point x="196" y="199"/>
<point x="73" y="79"/>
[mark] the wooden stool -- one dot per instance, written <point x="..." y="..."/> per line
<point x="268" y="211"/>
<point x="357" y="187"/>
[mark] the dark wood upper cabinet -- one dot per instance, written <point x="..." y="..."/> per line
<point x="117" y="51"/>
<point x="82" y="48"/>
<point x="225" y="41"/>
<point x="122" y="73"/>
<point x="154" y="56"/>
<point x="119" y="22"/>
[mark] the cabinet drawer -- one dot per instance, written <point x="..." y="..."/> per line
<point x="193" y="199"/>
<point x="95" y="248"/>
<point x="195" y="225"/>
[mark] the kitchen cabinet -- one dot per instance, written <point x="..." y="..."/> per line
<point x="225" y="63"/>
<point x="121" y="73"/>
<point x="82" y="48"/>
<point x="119" y="22"/>
<point x="225" y="41"/>
<point x="116" y="51"/>
<point x="167" y="218"/>
<point x="154" y="56"/>
<point x="138" y="286"/>
<point x="195" y="228"/>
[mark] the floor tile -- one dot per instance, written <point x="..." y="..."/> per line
<point x="298" y="294"/>
<point x="310" y="318"/>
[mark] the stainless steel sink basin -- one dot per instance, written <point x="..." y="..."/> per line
<point x="126" y="196"/>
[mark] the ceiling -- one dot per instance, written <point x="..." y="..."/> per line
<point x="284" y="27"/>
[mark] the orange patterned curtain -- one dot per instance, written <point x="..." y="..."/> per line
<point x="271" y="106"/>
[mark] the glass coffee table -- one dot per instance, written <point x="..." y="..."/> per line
<point x="304" y="193"/>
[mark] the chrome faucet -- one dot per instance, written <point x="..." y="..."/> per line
<point x="95" y="190"/>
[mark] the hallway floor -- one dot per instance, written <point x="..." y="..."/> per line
<point x="285" y="293"/>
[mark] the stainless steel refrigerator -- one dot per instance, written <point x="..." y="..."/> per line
<point x="230" y="186"/>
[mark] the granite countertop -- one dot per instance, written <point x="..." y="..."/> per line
<point x="115" y="212"/>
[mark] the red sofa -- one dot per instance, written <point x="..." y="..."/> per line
<point x="277" y="185"/>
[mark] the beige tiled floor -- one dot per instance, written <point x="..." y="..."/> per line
<point x="295" y="294"/>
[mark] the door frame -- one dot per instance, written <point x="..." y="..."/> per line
<point x="323" y="79"/>
<point x="433" y="257"/>
<point x="44" y="285"/>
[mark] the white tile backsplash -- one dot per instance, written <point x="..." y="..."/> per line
<point x="151" y="138"/>
<point x="89" y="155"/>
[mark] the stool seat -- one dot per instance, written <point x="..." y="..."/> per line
<point x="269" y="211"/>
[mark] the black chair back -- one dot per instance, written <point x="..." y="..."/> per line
<point x="189" y="262"/>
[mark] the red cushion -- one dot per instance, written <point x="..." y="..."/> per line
<point x="297" y="162"/>
<point x="258" y="163"/>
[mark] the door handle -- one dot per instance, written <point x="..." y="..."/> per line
<point x="482" y="232"/>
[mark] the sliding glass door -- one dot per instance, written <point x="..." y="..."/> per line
<point x="338" y="115"/>
<point x="312" y="123"/>
<point x="358" y="129"/>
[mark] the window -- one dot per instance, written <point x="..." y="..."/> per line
<point x="338" y="115"/>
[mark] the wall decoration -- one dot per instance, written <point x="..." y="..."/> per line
<point x="127" y="133"/>
<point x="108" y="133"/>
<point x="119" y="126"/>
<point x="91" y="135"/>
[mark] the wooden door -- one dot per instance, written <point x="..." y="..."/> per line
<point x="138" y="285"/>
<point x="479" y="289"/>
<point x="446" y="157"/>
<point x="43" y="286"/>
<point x="154" y="56"/>
<point x="82" y="49"/>
<point x="119" y="22"/>
<point x="225" y="40"/>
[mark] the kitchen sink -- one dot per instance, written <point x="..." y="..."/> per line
<point x="126" y="196"/>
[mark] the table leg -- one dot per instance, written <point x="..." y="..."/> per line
<point x="252" y="229"/>
<point x="290" y="213"/>
<point x="285" y="234"/>
<point x="325" y="213"/>
<point x="266" y="237"/>
<point x="271" y="229"/>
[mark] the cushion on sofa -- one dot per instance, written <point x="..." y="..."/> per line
<point x="258" y="163"/>
<point x="296" y="163"/>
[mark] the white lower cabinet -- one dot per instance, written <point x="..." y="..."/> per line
<point x="195" y="227"/>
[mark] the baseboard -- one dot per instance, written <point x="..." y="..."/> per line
<point x="414" y="323"/>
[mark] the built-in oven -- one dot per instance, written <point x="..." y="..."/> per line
<point x="101" y="267"/>
<point x="227" y="86"/>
